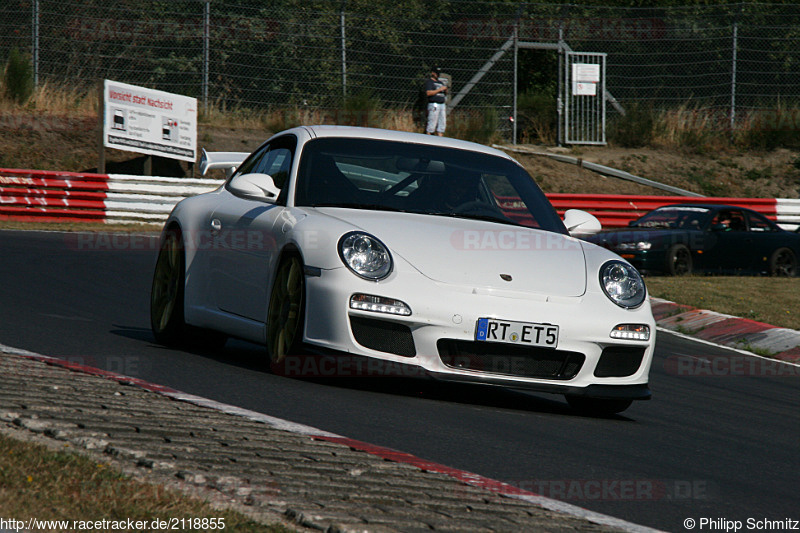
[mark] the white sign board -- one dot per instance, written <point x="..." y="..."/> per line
<point x="584" y="89"/>
<point x="150" y="122"/>
<point x="585" y="77"/>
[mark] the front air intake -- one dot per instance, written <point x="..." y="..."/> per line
<point x="383" y="336"/>
<point x="619" y="361"/>
<point x="510" y="360"/>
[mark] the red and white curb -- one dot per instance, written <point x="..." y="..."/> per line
<point x="726" y="330"/>
<point x="469" y="478"/>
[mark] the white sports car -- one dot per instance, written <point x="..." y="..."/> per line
<point x="433" y="253"/>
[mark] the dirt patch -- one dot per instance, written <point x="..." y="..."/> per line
<point x="70" y="144"/>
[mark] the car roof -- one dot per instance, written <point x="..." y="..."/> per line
<point x="400" y="136"/>
<point x="712" y="207"/>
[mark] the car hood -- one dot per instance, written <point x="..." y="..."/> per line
<point x="476" y="253"/>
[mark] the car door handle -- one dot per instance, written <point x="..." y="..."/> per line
<point x="216" y="225"/>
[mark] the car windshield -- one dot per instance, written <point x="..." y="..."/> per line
<point x="417" y="178"/>
<point x="674" y="218"/>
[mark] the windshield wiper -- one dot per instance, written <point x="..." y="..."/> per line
<point x="354" y="205"/>
<point x="486" y="218"/>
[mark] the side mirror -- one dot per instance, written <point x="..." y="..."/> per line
<point x="580" y="223"/>
<point x="254" y="187"/>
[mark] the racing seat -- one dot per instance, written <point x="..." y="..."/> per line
<point x="327" y="185"/>
<point x="737" y="224"/>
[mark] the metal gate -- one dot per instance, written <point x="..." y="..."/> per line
<point x="582" y="102"/>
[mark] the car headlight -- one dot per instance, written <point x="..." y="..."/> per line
<point x="641" y="245"/>
<point x="622" y="284"/>
<point x="365" y="255"/>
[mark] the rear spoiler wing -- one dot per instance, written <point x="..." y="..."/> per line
<point x="226" y="160"/>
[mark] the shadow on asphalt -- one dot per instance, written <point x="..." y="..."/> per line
<point x="364" y="374"/>
<point x="137" y="334"/>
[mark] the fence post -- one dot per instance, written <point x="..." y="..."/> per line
<point x="516" y="68"/>
<point x="206" y="51"/>
<point x="561" y="87"/>
<point x="344" y="49"/>
<point x="101" y="117"/>
<point x="35" y="43"/>
<point x="733" y="75"/>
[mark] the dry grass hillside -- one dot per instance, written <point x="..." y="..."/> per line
<point x="774" y="174"/>
<point x="66" y="139"/>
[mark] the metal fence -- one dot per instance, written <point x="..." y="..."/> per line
<point x="256" y="53"/>
<point x="318" y="53"/>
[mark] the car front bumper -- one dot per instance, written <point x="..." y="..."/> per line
<point x="439" y="336"/>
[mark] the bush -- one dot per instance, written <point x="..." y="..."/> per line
<point x="18" y="77"/>
<point x="476" y="126"/>
<point x="770" y="129"/>
<point x="634" y="129"/>
<point x="361" y="109"/>
<point x="537" y="117"/>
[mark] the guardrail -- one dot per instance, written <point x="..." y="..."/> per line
<point x="33" y="195"/>
<point x="616" y="210"/>
<point x="787" y="212"/>
<point x="36" y="195"/>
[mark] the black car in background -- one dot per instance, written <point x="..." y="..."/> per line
<point x="686" y="238"/>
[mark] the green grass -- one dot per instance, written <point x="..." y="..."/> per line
<point x="774" y="301"/>
<point x="36" y="482"/>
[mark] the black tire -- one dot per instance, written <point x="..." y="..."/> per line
<point x="166" y="294"/>
<point x="286" y="312"/>
<point x="783" y="263"/>
<point x="598" y="406"/>
<point x="679" y="260"/>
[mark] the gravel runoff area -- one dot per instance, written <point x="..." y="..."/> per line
<point x="272" y="470"/>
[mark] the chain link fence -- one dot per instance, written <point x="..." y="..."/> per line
<point x="726" y="59"/>
<point x="721" y="59"/>
<point x="249" y="53"/>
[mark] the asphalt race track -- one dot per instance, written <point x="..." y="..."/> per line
<point x="719" y="443"/>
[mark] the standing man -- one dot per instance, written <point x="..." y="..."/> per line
<point x="437" y="108"/>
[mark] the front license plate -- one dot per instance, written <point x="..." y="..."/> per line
<point x="526" y="333"/>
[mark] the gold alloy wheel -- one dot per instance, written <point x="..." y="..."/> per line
<point x="285" y="310"/>
<point x="165" y="298"/>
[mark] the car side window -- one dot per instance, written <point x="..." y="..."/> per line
<point x="274" y="159"/>
<point x="729" y="220"/>
<point x="759" y="223"/>
<point x="249" y="164"/>
<point x="277" y="162"/>
<point x="737" y="221"/>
